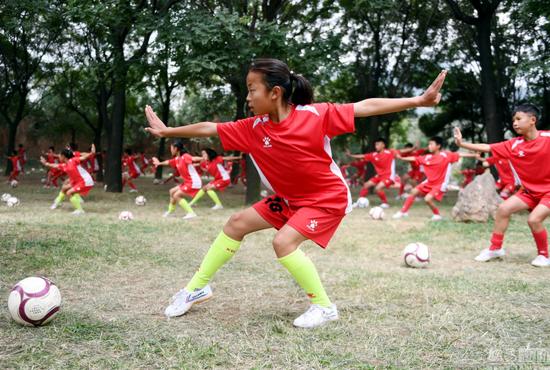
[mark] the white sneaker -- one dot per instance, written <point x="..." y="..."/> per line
<point x="133" y="191"/>
<point x="399" y="215"/>
<point x="541" y="261"/>
<point x="436" y="218"/>
<point x="487" y="254"/>
<point x="167" y="214"/>
<point x="190" y="215"/>
<point x="77" y="212"/>
<point x="182" y="301"/>
<point x="54" y="206"/>
<point x="216" y="207"/>
<point x="384" y="205"/>
<point x="316" y="316"/>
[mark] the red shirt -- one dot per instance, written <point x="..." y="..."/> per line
<point x="184" y="165"/>
<point x="51" y="158"/>
<point x="77" y="174"/>
<point x="384" y="162"/>
<point x="360" y="166"/>
<point x="528" y="160"/>
<point x="130" y="162"/>
<point x="415" y="166"/>
<point x="15" y="163"/>
<point x="437" y="168"/>
<point x="293" y="157"/>
<point x="216" y="168"/>
<point x="504" y="170"/>
<point x="22" y="154"/>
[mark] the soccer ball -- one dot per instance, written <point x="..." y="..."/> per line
<point x="34" y="301"/>
<point x="126" y="216"/>
<point x="12" y="202"/>
<point x="14" y="183"/>
<point x="263" y="193"/>
<point x="416" y="255"/>
<point x="362" y="203"/>
<point x="140" y="200"/>
<point x="157" y="181"/>
<point x="377" y="213"/>
<point x="43" y="180"/>
<point x="5" y="197"/>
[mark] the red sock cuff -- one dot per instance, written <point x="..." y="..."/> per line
<point x="541" y="239"/>
<point x="496" y="241"/>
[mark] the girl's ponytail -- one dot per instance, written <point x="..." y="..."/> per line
<point x="302" y="93"/>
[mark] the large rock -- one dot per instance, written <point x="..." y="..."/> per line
<point x="478" y="201"/>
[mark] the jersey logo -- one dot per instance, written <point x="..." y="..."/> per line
<point x="521" y="153"/>
<point x="309" y="108"/>
<point x="267" y="142"/>
<point x="312" y="225"/>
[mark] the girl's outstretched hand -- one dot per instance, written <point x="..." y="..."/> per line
<point x="432" y="96"/>
<point x="156" y="126"/>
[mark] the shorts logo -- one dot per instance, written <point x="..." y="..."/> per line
<point x="267" y="142"/>
<point x="274" y="204"/>
<point x="312" y="225"/>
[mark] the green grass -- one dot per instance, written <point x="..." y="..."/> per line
<point x="116" y="278"/>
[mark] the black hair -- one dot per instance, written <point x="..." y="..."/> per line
<point x="52" y="148"/>
<point x="211" y="153"/>
<point x="128" y="151"/>
<point x="381" y="140"/>
<point x="296" y="88"/>
<point x="14" y="152"/>
<point x="531" y="109"/>
<point x="409" y="145"/>
<point x="67" y="153"/>
<point x="73" y="146"/>
<point x="178" y="144"/>
<point x="20" y="145"/>
<point x="438" y="140"/>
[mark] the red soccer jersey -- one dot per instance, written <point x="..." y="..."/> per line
<point x="51" y="158"/>
<point x="383" y="162"/>
<point x="415" y="166"/>
<point x="78" y="176"/>
<point x="528" y="160"/>
<point x="15" y="163"/>
<point x="22" y="154"/>
<point x="437" y="168"/>
<point x="133" y="168"/>
<point x="186" y="170"/>
<point x="360" y="166"/>
<point x="293" y="157"/>
<point x="217" y="169"/>
<point x="504" y="170"/>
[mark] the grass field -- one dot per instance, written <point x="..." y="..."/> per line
<point x="116" y="278"/>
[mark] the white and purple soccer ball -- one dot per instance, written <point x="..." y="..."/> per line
<point x="5" y="197"/>
<point x="125" y="216"/>
<point x="416" y="255"/>
<point x="14" y="183"/>
<point x="362" y="202"/>
<point x="34" y="301"/>
<point x="12" y="202"/>
<point x="376" y="213"/>
<point x="140" y="200"/>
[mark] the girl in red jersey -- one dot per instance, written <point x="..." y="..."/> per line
<point x="133" y="170"/>
<point x="80" y="181"/>
<point x="527" y="155"/>
<point x="214" y="165"/>
<point x="288" y="133"/>
<point x="16" y="167"/>
<point x="53" y="173"/>
<point x="183" y="162"/>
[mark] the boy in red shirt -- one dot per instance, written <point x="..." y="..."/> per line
<point x="133" y="170"/>
<point x="528" y="157"/>
<point x="506" y="184"/>
<point x="415" y="175"/>
<point x="437" y="167"/>
<point x="15" y="166"/>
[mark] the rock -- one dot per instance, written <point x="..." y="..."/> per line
<point x="477" y="201"/>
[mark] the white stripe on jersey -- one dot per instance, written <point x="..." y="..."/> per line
<point x="88" y="181"/>
<point x="196" y="182"/>
<point x="136" y="167"/>
<point x="263" y="179"/>
<point x="223" y="171"/>
<point x="336" y="170"/>
<point x="445" y="184"/>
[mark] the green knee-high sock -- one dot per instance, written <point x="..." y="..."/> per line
<point x="186" y="207"/>
<point x="75" y="201"/>
<point x="304" y="272"/>
<point x="171" y="207"/>
<point x="59" y="198"/>
<point x="198" y="196"/>
<point x="219" y="253"/>
<point x="212" y="194"/>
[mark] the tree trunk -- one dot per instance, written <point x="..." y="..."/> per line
<point x="113" y="170"/>
<point x="491" y="110"/>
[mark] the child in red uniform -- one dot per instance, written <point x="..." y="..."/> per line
<point x="22" y="153"/>
<point x="415" y="175"/>
<point x="15" y="166"/>
<point x="80" y="181"/>
<point x="383" y="161"/>
<point x="437" y="167"/>
<point x="183" y="162"/>
<point x="528" y="156"/>
<point x="53" y="173"/>
<point x="506" y="183"/>
<point x="133" y="171"/>
<point x="214" y="165"/>
<point x="288" y="133"/>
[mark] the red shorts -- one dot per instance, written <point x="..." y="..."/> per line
<point x="386" y="180"/>
<point x="82" y="189"/>
<point x="416" y="175"/>
<point x="220" y="184"/>
<point x="188" y="190"/>
<point x="533" y="200"/>
<point x="134" y="175"/>
<point x="316" y="224"/>
<point x="434" y="191"/>
<point x="510" y="188"/>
